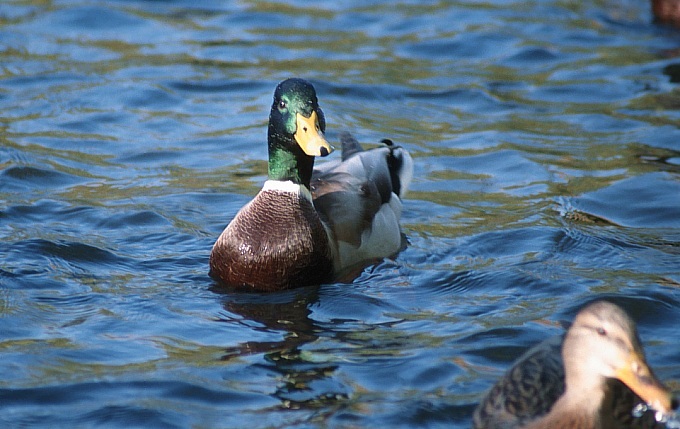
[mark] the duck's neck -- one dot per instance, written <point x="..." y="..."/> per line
<point x="581" y="402"/>
<point x="285" y="165"/>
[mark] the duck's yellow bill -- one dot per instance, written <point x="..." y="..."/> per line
<point x="640" y="379"/>
<point x="309" y="136"/>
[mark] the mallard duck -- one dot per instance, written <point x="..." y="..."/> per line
<point x="306" y="225"/>
<point x="565" y="382"/>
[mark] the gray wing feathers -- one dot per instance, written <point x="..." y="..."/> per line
<point x="348" y="194"/>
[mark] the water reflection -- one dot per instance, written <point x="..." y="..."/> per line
<point x="281" y="312"/>
<point x="304" y="381"/>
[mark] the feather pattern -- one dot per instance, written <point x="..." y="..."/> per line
<point x="276" y="241"/>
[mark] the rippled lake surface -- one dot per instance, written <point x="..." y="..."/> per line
<point x="547" y="173"/>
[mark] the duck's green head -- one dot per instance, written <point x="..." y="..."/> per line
<point x="296" y="128"/>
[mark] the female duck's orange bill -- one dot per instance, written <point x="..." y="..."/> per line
<point x="637" y="375"/>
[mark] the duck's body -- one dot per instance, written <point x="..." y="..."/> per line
<point x="275" y="242"/>
<point x="308" y="225"/>
<point x="590" y="379"/>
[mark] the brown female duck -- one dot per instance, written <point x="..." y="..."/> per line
<point x="566" y="383"/>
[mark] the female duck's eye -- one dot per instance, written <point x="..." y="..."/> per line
<point x="601" y="332"/>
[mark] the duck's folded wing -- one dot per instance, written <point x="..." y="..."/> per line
<point x="346" y="204"/>
<point x="358" y="200"/>
<point x="390" y="167"/>
<point x="527" y="391"/>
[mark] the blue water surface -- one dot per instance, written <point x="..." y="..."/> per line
<point x="546" y="143"/>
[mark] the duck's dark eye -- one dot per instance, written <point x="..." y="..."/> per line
<point x="282" y="104"/>
<point x="601" y="332"/>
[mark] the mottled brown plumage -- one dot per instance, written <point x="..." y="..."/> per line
<point x="528" y="389"/>
<point x="569" y="382"/>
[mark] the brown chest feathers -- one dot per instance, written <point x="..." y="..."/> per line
<point x="275" y="242"/>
